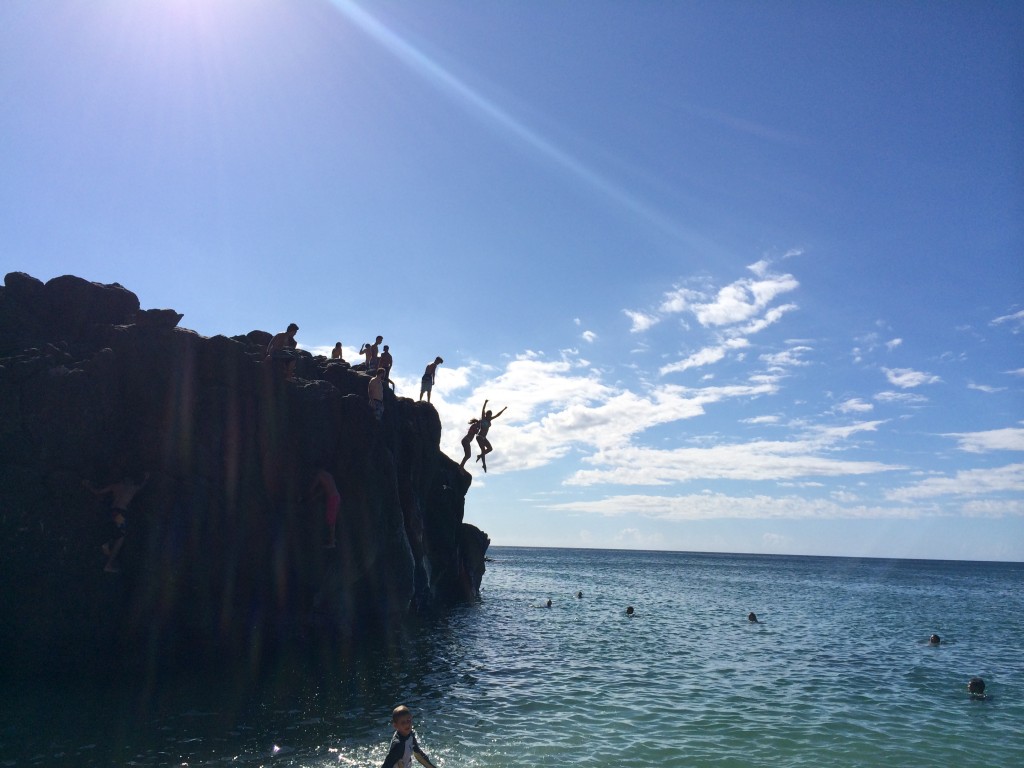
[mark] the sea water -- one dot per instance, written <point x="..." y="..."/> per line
<point x="838" y="671"/>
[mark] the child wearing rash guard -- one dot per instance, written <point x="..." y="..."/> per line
<point x="404" y="746"/>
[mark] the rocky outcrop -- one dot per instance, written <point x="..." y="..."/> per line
<point x="225" y="543"/>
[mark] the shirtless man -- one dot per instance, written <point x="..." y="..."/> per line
<point x="283" y="341"/>
<point x="121" y="495"/>
<point x="386" y="361"/>
<point x="427" y="382"/>
<point x="375" y="390"/>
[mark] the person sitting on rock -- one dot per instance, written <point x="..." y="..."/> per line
<point x="283" y="342"/>
<point x="121" y="494"/>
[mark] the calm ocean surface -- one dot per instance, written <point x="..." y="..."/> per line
<point x="838" y="673"/>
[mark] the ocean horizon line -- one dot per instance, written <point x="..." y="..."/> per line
<point x="880" y="558"/>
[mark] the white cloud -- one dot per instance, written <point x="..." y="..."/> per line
<point x="970" y="482"/>
<point x="906" y="398"/>
<point x="893" y="343"/>
<point x="986" y="388"/>
<point x="906" y="378"/>
<point x="854" y="405"/>
<point x="705" y="356"/>
<point x="742" y="300"/>
<point x="754" y="460"/>
<point x="640" y="320"/>
<point x="761" y="420"/>
<point x="1015" y="321"/>
<point x="1008" y="439"/>
<point x="787" y="358"/>
<point x="718" y="506"/>
<point x="589" y="336"/>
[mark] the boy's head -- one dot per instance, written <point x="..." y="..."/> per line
<point x="401" y="719"/>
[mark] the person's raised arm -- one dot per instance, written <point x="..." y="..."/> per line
<point x="499" y="413"/>
<point x="483" y="411"/>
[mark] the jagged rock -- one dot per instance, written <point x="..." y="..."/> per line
<point x="225" y="545"/>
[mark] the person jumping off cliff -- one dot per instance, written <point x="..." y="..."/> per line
<point x="484" y="425"/>
<point x="121" y="494"/>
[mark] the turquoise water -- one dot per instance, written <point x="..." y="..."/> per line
<point x="838" y="672"/>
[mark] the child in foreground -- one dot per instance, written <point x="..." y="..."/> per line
<point x="404" y="746"/>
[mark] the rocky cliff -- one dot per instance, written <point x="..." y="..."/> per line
<point x="225" y="544"/>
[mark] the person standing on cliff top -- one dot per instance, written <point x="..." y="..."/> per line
<point x="121" y="494"/>
<point x="375" y="389"/>
<point x="486" y="417"/>
<point x="386" y="361"/>
<point x="427" y="382"/>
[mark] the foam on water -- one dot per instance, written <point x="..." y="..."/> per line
<point x="838" y="672"/>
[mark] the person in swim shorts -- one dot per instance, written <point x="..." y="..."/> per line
<point x="427" y="381"/>
<point x="121" y="494"/>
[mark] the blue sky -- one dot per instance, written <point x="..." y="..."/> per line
<point x="748" y="276"/>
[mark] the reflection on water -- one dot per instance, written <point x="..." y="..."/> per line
<point x="838" y="672"/>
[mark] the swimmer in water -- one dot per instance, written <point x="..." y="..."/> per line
<point x="549" y="602"/>
<point x="752" y="617"/>
<point x="629" y="610"/>
<point x="934" y="640"/>
<point x="976" y="687"/>
<point x="579" y="595"/>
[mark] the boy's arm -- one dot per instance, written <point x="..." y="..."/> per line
<point x="499" y="412"/>
<point x="420" y="755"/>
<point x="394" y="754"/>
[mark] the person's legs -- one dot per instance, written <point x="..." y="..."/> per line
<point x="331" y="516"/>
<point x="468" y="451"/>
<point x="112" y="547"/>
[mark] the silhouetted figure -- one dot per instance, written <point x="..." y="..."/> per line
<point x="283" y="342"/>
<point x="976" y="687"/>
<point x="579" y="595"/>
<point x="549" y="602"/>
<point x="323" y="484"/>
<point x="752" y="617"/>
<point x="427" y="380"/>
<point x="483" y="427"/>
<point x="467" y="441"/>
<point x="281" y="353"/>
<point x="121" y="494"/>
<point x="373" y="355"/>
<point x="337" y="353"/>
<point x="386" y="361"/>
<point x="934" y="640"/>
<point x="375" y="390"/>
<point x="629" y="610"/>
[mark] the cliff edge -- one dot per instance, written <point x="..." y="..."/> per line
<point x="225" y="543"/>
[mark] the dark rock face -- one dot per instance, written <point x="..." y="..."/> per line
<point x="224" y="550"/>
